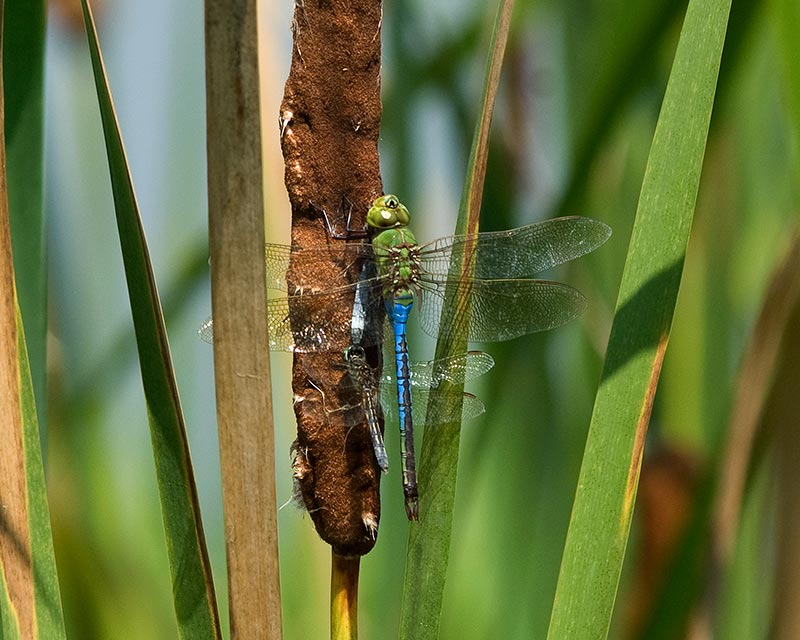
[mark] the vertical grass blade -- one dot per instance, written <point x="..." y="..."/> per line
<point x="238" y="299"/>
<point x="30" y="604"/>
<point x="192" y="586"/>
<point x="27" y="560"/>
<point x="23" y="79"/>
<point x="429" y="540"/>
<point x="606" y="492"/>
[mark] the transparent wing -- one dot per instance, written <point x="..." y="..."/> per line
<point x="334" y="259"/>
<point x="206" y="331"/>
<point x="314" y="322"/>
<point x="471" y="406"/>
<point x="501" y="309"/>
<point x="427" y="375"/>
<point x="456" y="369"/>
<point x="521" y="252"/>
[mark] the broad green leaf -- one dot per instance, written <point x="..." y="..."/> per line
<point x="23" y="79"/>
<point x="30" y="603"/>
<point x="429" y="540"/>
<point x="606" y="491"/>
<point x="193" y="590"/>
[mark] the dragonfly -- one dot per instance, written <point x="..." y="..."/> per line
<point x="423" y="377"/>
<point x="501" y="296"/>
<point x="373" y="387"/>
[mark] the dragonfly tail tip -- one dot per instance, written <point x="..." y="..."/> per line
<point x="412" y="508"/>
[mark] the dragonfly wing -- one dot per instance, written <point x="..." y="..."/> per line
<point x="281" y="337"/>
<point x="424" y="413"/>
<point x="473" y="407"/>
<point x="499" y="310"/>
<point x="206" y="331"/>
<point x="521" y="252"/>
<point x="336" y="259"/>
<point x="276" y="257"/>
<point x="314" y="322"/>
<point x="427" y="374"/>
<point x="456" y="369"/>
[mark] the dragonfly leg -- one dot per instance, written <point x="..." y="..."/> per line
<point x="349" y="233"/>
<point x="328" y="411"/>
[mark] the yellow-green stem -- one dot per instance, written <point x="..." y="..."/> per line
<point x="344" y="596"/>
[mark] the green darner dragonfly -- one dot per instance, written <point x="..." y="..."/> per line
<point x="423" y="377"/>
<point x="373" y="387"/>
<point x="501" y="297"/>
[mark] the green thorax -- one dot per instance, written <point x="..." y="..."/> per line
<point x="396" y="249"/>
<point x="401" y="237"/>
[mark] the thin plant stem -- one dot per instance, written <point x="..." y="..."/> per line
<point x="344" y="596"/>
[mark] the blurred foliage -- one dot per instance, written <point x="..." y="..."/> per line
<point x="579" y="99"/>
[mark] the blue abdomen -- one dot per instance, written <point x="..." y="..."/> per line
<point x="398" y="310"/>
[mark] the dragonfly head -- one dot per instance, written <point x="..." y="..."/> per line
<point x="387" y="212"/>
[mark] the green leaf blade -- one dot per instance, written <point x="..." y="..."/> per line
<point x="30" y="602"/>
<point x="193" y="591"/>
<point x="27" y="557"/>
<point x="49" y="615"/>
<point x="606" y="491"/>
<point x="23" y="80"/>
<point x="429" y="541"/>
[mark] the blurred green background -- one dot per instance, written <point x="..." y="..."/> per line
<point x="581" y="91"/>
